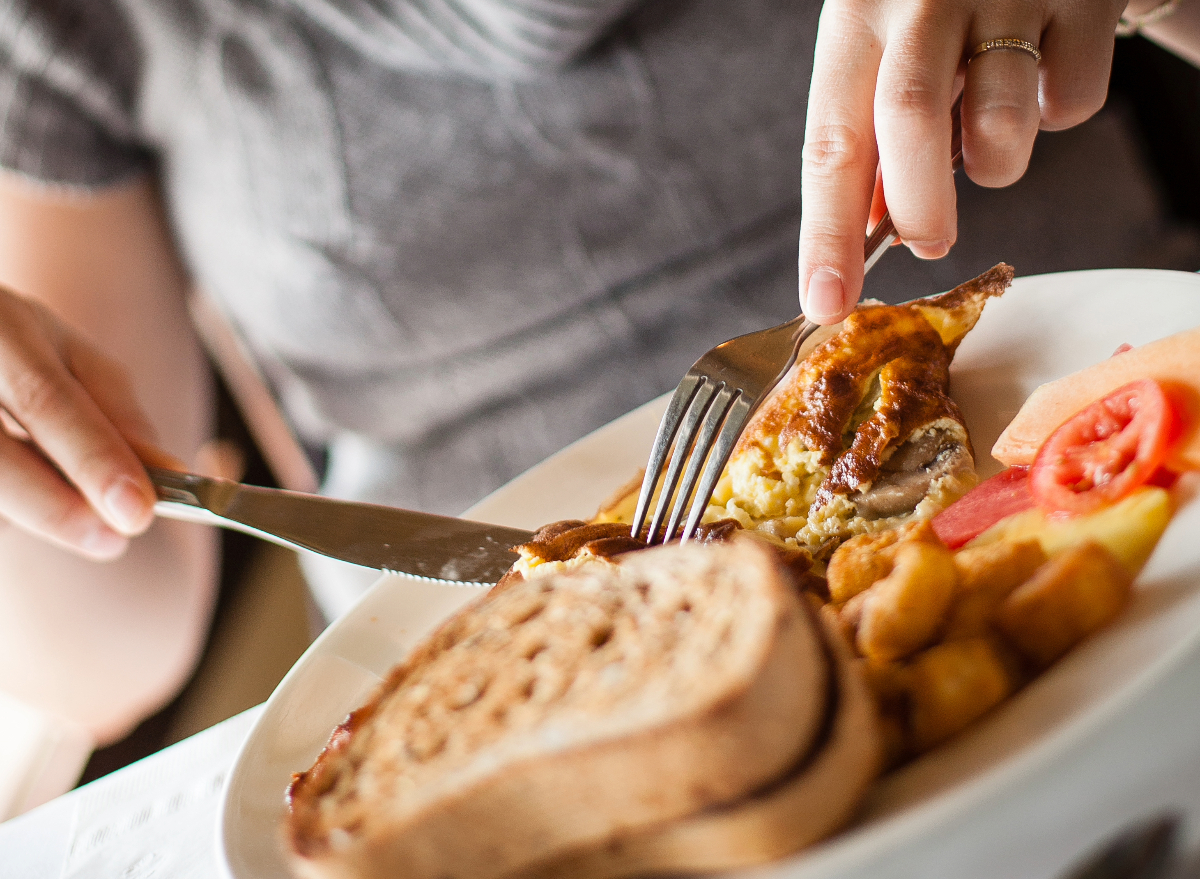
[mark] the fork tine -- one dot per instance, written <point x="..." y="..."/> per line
<point x="712" y="421"/>
<point x="739" y="413"/>
<point x="667" y="428"/>
<point x="683" y="443"/>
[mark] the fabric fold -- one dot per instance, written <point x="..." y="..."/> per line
<point x="482" y="38"/>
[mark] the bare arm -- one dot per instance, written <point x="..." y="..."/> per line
<point x="104" y="643"/>
<point x="1179" y="31"/>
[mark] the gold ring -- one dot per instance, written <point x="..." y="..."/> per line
<point x="1006" y="43"/>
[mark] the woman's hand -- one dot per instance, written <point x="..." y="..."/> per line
<point x="885" y="75"/>
<point x="69" y="472"/>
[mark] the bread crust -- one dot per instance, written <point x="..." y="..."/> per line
<point x="571" y="781"/>
<point x="818" y="796"/>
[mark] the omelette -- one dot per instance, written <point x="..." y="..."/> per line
<point x="860" y="436"/>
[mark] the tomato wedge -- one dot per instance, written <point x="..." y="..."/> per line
<point x="983" y="506"/>
<point x="1106" y="450"/>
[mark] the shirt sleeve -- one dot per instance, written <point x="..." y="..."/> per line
<point x="68" y="77"/>
<point x="513" y="38"/>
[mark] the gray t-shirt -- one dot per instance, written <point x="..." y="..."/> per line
<point x="466" y="232"/>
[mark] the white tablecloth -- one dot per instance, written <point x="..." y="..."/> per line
<point x="157" y="818"/>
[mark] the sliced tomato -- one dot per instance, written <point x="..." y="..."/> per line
<point x="983" y="506"/>
<point x="1163" y="477"/>
<point x="1106" y="450"/>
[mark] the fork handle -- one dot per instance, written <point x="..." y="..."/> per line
<point x="881" y="238"/>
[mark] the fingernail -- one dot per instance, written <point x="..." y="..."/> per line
<point x="101" y="542"/>
<point x="126" y="505"/>
<point x="825" y="295"/>
<point x="929" y="249"/>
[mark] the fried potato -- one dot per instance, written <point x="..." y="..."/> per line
<point x="986" y="576"/>
<point x="903" y="612"/>
<point x="887" y="680"/>
<point x="1068" y="598"/>
<point x="944" y="637"/>
<point x="868" y="558"/>
<point x="953" y="684"/>
<point x="849" y="615"/>
<point x="1002" y="566"/>
<point x="859" y="562"/>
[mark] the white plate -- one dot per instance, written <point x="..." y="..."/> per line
<point x="1042" y="328"/>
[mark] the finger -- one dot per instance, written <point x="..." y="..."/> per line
<point x="152" y="456"/>
<point x="36" y="498"/>
<point x="10" y="427"/>
<point x="108" y="384"/>
<point x="838" y="165"/>
<point x="220" y="459"/>
<point x="913" y="129"/>
<point x="1077" y="52"/>
<point x="66" y="424"/>
<point x="1000" y="112"/>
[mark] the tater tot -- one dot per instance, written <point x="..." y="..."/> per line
<point x="1072" y="595"/>
<point x="998" y="565"/>
<point x="953" y="684"/>
<point x="849" y="615"/>
<point x="859" y="562"/>
<point x="986" y="576"/>
<point x="868" y="558"/>
<point x="904" y="611"/>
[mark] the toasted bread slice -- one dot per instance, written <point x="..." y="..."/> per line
<point x="815" y="798"/>
<point x="567" y="711"/>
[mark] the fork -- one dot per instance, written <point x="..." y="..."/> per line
<point x="717" y="396"/>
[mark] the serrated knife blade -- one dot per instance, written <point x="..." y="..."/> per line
<point x="374" y="536"/>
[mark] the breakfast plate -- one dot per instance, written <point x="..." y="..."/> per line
<point x="1042" y="328"/>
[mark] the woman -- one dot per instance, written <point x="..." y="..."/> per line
<point x="455" y="236"/>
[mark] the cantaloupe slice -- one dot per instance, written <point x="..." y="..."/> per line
<point x="1174" y="361"/>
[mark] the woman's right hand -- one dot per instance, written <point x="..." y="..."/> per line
<point x="73" y="431"/>
<point x="885" y="76"/>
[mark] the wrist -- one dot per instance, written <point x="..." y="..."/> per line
<point x="1141" y="13"/>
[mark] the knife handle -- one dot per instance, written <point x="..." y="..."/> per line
<point x="180" y="488"/>
<point x="192" y="490"/>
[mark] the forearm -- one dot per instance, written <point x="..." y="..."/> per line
<point x="106" y="643"/>
<point x="1179" y="31"/>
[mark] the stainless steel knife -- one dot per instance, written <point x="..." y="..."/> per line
<point x="387" y="538"/>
